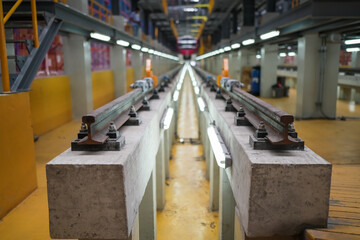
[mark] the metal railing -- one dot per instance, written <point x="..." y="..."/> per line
<point x="3" y="54"/>
<point x="108" y="13"/>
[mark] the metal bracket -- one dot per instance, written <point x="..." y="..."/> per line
<point x="134" y="119"/>
<point x="155" y="95"/>
<point x="240" y="119"/>
<point x="146" y="104"/>
<point x="229" y="107"/>
<point x="114" y="143"/>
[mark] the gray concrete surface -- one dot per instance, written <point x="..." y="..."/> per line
<point x="96" y="195"/>
<point x="277" y="192"/>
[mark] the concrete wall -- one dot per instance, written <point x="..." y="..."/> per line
<point x="50" y="103"/>
<point x="102" y="87"/>
<point x="17" y="155"/>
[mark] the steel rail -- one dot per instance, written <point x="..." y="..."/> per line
<point x="280" y="132"/>
<point x="115" y="113"/>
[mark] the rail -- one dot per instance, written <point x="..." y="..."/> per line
<point x="274" y="127"/>
<point x="108" y="13"/>
<point x="3" y="54"/>
<point x="99" y="130"/>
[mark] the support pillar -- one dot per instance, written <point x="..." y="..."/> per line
<point x="118" y="66"/>
<point x="355" y="59"/>
<point x="214" y="183"/>
<point x="136" y="64"/>
<point x="269" y="58"/>
<point x="316" y="98"/>
<point x="77" y="49"/>
<point x="226" y="207"/>
<point x="147" y="211"/>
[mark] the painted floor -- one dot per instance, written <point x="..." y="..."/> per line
<point x="186" y="215"/>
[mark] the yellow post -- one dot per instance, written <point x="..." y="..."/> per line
<point x="34" y="23"/>
<point x="11" y="11"/>
<point x="3" y="54"/>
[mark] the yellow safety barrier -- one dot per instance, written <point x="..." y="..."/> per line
<point x="107" y="11"/>
<point x="3" y="54"/>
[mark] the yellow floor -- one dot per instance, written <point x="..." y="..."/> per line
<point x="30" y="220"/>
<point x="186" y="214"/>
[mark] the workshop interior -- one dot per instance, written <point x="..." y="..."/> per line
<point x="180" y="119"/>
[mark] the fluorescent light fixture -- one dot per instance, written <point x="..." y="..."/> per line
<point x="122" y="43"/>
<point x="222" y="155"/>
<point x="178" y="87"/>
<point x="221" y="50"/>
<point x="193" y="63"/>
<point x="197" y="90"/>
<point x="248" y="41"/>
<point x="166" y="121"/>
<point x="190" y="9"/>
<point x="356" y="49"/>
<point x="235" y="45"/>
<point x="201" y="103"/>
<point x="282" y="54"/>
<point x="258" y="56"/>
<point x="352" y="41"/>
<point x="227" y="49"/>
<point x="136" y="47"/>
<point x="176" y="96"/>
<point x="269" y="35"/>
<point x="144" y="49"/>
<point x="99" y="36"/>
<point x="151" y="51"/>
<point x="291" y="54"/>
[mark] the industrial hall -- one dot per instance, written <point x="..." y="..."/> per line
<point x="180" y="119"/>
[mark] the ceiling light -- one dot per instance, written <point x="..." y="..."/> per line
<point x="282" y="54"/>
<point x="144" y="49"/>
<point x="235" y="45"/>
<point x="356" y="49"/>
<point x="122" y="43"/>
<point x="258" y="56"/>
<point x="176" y="96"/>
<point x="99" y="36"/>
<point x="221" y="50"/>
<point x="190" y="9"/>
<point x="248" y="41"/>
<point x="136" y="47"/>
<point x="220" y="151"/>
<point x="291" y="54"/>
<point x="227" y="48"/>
<point x="201" y="103"/>
<point x="352" y="41"/>
<point x="151" y="51"/>
<point x="166" y="121"/>
<point x="269" y="35"/>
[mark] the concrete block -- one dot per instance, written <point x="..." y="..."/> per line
<point x="96" y="195"/>
<point x="277" y="192"/>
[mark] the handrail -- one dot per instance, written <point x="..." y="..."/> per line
<point x="107" y="11"/>
<point x="3" y="53"/>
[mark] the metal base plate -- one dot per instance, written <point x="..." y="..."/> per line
<point x="109" y="145"/>
<point x="263" y="144"/>
<point x="133" y="121"/>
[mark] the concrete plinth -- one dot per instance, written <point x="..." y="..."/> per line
<point x="277" y="192"/>
<point x="96" y="195"/>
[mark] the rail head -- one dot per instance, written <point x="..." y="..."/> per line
<point x="274" y="127"/>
